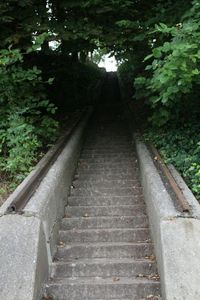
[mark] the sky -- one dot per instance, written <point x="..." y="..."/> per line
<point x="109" y="63"/>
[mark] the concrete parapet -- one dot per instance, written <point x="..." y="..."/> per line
<point x="176" y="236"/>
<point x="28" y="240"/>
<point x="23" y="257"/>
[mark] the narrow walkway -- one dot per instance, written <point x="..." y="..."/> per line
<point x="105" y="251"/>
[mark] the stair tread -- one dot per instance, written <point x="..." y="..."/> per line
<point x="90" y="200"/>
<point x="105" y="222"/>
<point x="109" y="243"/>
<point x="104" y="260"/>
<point x="90" y="218"/>
<point x="104" y="281"/>
<point x="111" y="206"/>
<point x="105" y="235"/>
<point x="102" y="211"/>
<point x="106" y="183"/>
<point x="81" y="230"/>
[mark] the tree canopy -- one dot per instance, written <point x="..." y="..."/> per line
<point x="119" y="25"/>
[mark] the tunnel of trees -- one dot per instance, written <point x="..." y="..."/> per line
<point x="48" y="55"/>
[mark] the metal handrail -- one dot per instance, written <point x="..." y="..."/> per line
<point x="183" y="205"/>
<point x="41" y="169"/>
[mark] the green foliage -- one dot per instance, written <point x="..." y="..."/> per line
<point x="166" y="33"/>
<point x="173" y="73"/>
<point x="26" y="124"/>
<point x="181" y="147"/>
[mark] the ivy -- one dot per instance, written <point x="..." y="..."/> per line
<point x="180" y="147"/>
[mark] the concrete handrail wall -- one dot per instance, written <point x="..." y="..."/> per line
<point x="28" y="241"/>
<point x="176" y="236"/>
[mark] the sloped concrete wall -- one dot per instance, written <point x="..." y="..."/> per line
<point x="23" y="257"/>
<point x="28" y="240"/>
<point x="176" y="236"/>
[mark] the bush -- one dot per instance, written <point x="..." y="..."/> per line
<point x="26" y="123"/>
<point x="172" y="80"/>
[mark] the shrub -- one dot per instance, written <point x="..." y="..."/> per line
<point x="26" y="123"/>
<point x="172" y="79"/>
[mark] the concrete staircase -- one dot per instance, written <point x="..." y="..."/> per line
<point x="105" y="250"/>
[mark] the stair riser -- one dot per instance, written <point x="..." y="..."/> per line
<point x="103" y="270"/>
<point x="89" y="292"/>
<point x="105" y="211"/>
<point x="99" y="201"/>
<point x="107" y="222"/>
<point x="106" y="184"/>
<point x="104" y="192"/>
<point x="109" y="142"/>
<point x="108" y="160"/>
<point x="108" y="149"/>
<point x="126" y="236"/>
<point x="104" y="157"/>
<point x="109" y="153"/>
<point x="114" y="251"/>
<point x="112" y="166"/>
<point x="93" y="178"/>
<point x="109" y="172"/>
<point x="124" y="143"/>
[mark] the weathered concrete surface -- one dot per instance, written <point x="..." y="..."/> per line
<point x="101" y="267"/>
<point x="23" y="257"/>
<point x="51" y="197"/>
<point x="105" y="256"/>
<point x="28" y="241"/>
<point x="180" y="242"/>
<point x="104" y="222"/>
<point x="104" y="235"/>
<point x="66" y="289"/>
<point x="176" y="237"/>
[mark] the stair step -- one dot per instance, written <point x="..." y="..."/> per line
<point x="108" y="153"/>
<point x="103" y="183"/>
<point x="90" y="288"/>
<point x="96" y="177"/>
<point x="101" y="191"/>
<point x="108" y="142"/>
<point x="109" y="172"/>
<point x="109" y="165"/>
<point x="100" y="250"/>
<point x="105" y="201"/>
<point x="104" y="235"/>
<point x="104" y="156"/>
<point x="103" y="268"/>
<point x="92" y="211"/>
<point x="106" y="136"/>
<point x="104" y="222"/>
<point x="108" y="160"/>
<point x="108" y="148"/>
